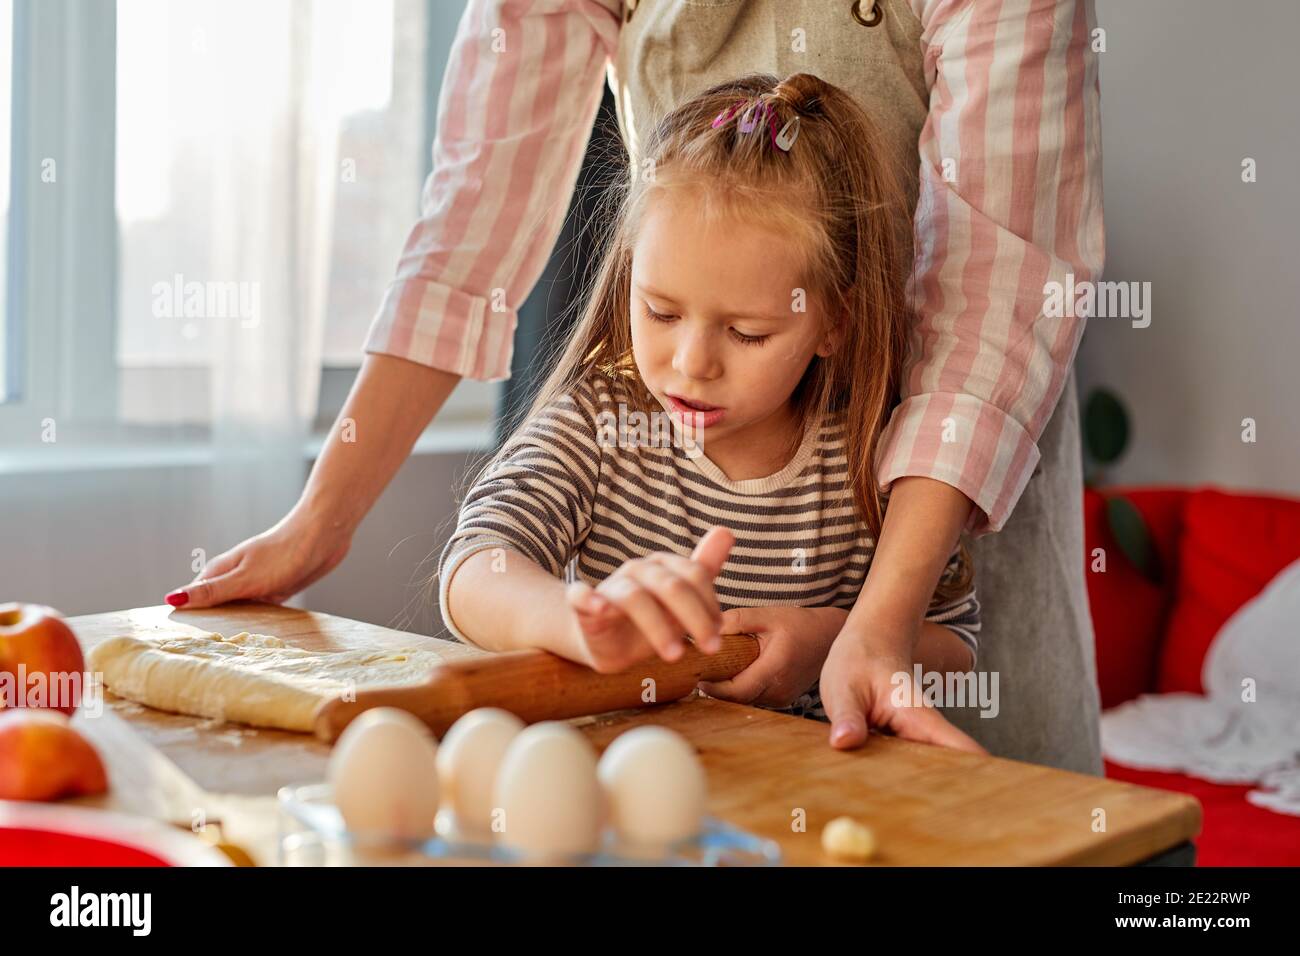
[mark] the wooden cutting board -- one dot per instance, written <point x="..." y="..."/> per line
<point x="768" y="773"/>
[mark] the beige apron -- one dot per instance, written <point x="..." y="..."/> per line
<point x="1037" y="632"/>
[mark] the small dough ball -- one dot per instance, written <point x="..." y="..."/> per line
<point x="846" y="839"/>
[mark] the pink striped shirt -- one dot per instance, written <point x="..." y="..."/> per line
<point x="1014" y="115"/>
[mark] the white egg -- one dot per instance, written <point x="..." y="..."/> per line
<point x="547" y="791"/>
<point x="468" y="760"/>
<point x="383" y="772"/>
<point x="654" y="785"/>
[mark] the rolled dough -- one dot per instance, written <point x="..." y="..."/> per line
<point x="248" y="678"/>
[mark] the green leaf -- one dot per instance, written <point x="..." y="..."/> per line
<point x="1105" y="426"/>
<point x="1134" y="539"/>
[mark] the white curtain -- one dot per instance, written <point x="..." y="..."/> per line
<point x="230" y="116"/>
<point x="275" y="171"/>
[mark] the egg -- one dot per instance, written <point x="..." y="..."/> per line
<point x="383" y="772"/>
<point x="547" y="791"/>
<point x="654" y="786"/>
<point x="468" y="760"/>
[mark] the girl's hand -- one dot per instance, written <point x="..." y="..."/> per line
<point x="858" y="680"/>
<point x="792" y="646"/>
<point x="646" y="606"/>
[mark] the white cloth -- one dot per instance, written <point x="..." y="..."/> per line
<point x="1246" y="729"/>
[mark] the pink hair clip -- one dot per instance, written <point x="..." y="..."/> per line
<point x="757" y="112"/>
<point x="725" y="115"/>
<point x="752" y="117"/>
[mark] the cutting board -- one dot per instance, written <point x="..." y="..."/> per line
<point x="769" y="773"/>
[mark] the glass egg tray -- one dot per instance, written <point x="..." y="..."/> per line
<point x="312" y="833"/>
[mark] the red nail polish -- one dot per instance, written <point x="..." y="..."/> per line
<point x="178" y="599"/>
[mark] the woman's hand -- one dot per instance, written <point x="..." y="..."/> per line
<point x="859" y="679"/>
<point x="792" y="646"/>
<point x="646" y="606"/>
<point x="391" y="402"/>
<point x="272" y="566"/>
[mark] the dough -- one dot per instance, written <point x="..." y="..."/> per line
<point x="248" y="678"/>
<point x="846" y="839"/>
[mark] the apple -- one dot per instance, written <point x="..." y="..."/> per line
<point x="43" y="758"/>
<point x="35" y="640"/>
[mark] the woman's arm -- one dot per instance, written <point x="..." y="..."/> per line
<point x="1010" y="200"/>
<point x="937" y="647"/>
<point x="391" y="402"/>
<point x="440" y="310"/>
<point x="1022" y="210"/>
<point x="921" y="526"/>
<point x="514" y="116"/>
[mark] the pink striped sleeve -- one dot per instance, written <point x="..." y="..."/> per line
<point x="519" y="96"/>
<point x="1010" y="199"/>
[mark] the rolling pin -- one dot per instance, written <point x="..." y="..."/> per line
<point x="537" y="685"/>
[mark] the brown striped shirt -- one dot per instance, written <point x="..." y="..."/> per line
<point x="580" y="495"/>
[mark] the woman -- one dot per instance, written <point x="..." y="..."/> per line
<point x="1000" y="102"/>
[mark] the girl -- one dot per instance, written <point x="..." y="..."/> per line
<point x="699" y="461"/>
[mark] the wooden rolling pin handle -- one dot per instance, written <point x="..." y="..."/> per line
<point x="538" y="685"/>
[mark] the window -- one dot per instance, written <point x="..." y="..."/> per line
<point x="174" y="65"/>
<point x="170" y="199"/>
<point x="144" y="108"/>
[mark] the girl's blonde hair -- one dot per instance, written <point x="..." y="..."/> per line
<point x="838" y="197"/>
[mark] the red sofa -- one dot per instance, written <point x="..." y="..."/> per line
<point x="1217" y="551"/>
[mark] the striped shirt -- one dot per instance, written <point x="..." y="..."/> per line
<point x="1014" y="109"/>
<point x="581" y="490"/>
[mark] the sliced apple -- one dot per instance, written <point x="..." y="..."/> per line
<point x="42" y="757"/>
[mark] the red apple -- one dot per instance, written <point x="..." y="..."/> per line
<point x="43" y="758"/>
<point x="34" y="640"/>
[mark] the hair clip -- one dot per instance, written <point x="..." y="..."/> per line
<point x="789" y="133"/>
<point x="757" y="112"/>
<point x="725" y="115"/>
<point x="751" y="117"/>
